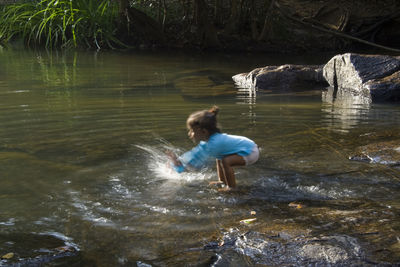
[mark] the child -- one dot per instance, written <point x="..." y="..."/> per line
<point x="229" y="150"/>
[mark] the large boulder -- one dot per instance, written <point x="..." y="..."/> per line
<point x="283" y="77"/>
<point x="375" y="76"/>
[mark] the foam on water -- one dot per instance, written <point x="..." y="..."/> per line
<point x="280" y="188"/>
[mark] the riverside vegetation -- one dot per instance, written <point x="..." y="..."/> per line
<point x="274" y="25"/>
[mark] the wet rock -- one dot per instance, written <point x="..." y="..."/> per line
<point x="387" y="153"/>
<point x="281" y="77"/>
<point x="373" y="76"/>
<point x="387" y="88"/>
<point x="337" y="250"/>
<point x="370" y="77"/>
<point x="332" y="250"/>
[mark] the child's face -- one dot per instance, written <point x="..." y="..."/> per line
<point x="197" y="134"/>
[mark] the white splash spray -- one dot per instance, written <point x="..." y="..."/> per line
<point x="160" y="165"/>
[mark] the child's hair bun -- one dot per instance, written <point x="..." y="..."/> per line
<point x="206" y="119"/>
<point x="214" y="109"/>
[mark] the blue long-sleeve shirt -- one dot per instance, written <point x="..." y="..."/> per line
<point x="218" y="146"/>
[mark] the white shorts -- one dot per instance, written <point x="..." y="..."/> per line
<point x="253" y="156"/>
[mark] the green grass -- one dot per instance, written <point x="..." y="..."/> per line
<point x="61" y="23"/>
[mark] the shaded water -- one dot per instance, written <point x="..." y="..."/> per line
<point x="84" y="176"/>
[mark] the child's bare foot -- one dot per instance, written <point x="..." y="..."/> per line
<point x="216" y="183"/>
<point x="227" y="189"/>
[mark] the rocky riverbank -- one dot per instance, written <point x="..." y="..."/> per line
<point x="376" y="77"/>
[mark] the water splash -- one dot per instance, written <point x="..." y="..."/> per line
<point x="159" y="164"/>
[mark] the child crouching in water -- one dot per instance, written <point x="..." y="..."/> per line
<point x="228" y="150"/>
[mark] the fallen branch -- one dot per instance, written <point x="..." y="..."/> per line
<point x="377" y="24"/>
<point x="333" y="32"/>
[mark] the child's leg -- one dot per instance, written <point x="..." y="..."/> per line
<point x="227" y="163"/>
<point x="220" y="172"/>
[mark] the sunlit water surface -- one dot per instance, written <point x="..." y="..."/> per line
<point x="82" y="143"/>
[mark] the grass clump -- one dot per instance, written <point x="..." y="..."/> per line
<point x="61" y="23"/>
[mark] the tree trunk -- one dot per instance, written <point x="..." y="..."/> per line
<point x="206" y="32"/>
<point x="123" y="18"/>
<point x="217" y="12"/>
<point x="267" y="23"/>
<point x="123" y="5"/>
<point x="137" y="27"/>
<point x="164" y="14"/>
<point x="232" y="23"/>
<point x="253" y="21"/>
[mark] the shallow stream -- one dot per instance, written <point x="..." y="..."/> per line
<point x="84" y="179"/>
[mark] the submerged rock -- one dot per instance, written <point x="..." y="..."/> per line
<point x="202" y="87"/>
<point x="204" y="84"/>
<point x="281" y="77"/>
<point x="374" y="76"/>
<point x="283" y="249"/>
<point x="33" y="249"/>
<point x="387" y="153"/>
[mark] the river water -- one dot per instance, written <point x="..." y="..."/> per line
<point x="84" y="180"/>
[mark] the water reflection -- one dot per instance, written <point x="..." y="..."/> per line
<point x="343" y="110"/>
<point x="247" y="96"/>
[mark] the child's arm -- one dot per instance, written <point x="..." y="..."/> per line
<point x="195" y="158"/>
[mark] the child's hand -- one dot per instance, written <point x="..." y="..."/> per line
<point x="175" y="160"/>
<point x="172" y="156"/>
